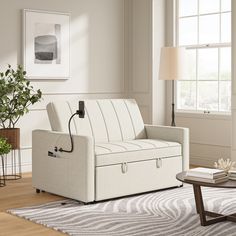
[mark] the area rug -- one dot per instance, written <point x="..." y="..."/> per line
<point x="164" y="213"/>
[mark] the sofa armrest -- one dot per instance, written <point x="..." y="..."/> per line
<point x="68" y="174"/>
<point x="175" y="134"/>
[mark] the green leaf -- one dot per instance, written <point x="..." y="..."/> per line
<point x="16" y="94"/>
<point x="5" y="147"/>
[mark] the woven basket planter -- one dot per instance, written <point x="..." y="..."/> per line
<point x="12" y="135"/>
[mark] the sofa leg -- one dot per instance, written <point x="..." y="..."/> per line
<point x="37" y="190"/>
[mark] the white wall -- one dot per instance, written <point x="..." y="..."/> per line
<point x="146" y="35"/>
<point x="97" y="55"/>
<point x="158" y="41"/>
<point x="233" y="149"/>
<point x="115" y="51"/>
<point x="210" y="135"/>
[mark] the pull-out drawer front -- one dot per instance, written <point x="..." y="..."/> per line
<point x="136" y="177"/>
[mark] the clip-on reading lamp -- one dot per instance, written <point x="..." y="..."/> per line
<point x="81" y="113"/>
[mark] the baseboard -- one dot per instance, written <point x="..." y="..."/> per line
<point x="25" y="168"/>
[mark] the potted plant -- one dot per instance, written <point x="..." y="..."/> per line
<point x="16" y="95"/>
<point x="5" y="148"/>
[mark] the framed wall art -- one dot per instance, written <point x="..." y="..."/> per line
<point x="46" y="44"/>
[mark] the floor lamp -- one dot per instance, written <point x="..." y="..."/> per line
<point x="173" y="67"/>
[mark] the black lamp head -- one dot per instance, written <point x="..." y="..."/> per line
<point x="81" y="111"/>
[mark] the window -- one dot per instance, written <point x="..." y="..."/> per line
<point x="204" y="28"/>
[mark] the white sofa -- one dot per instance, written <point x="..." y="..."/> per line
<point x="114" y="155"/>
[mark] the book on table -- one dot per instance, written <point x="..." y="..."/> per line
<point x="232" y="174"/>
<point x="207" y="180"/>
<point x="206" y="173"/>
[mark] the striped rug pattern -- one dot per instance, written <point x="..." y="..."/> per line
<point x="164" y="213"/>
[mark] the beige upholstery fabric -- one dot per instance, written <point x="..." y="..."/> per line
<point x="69" y="174"/>
<point x="134" y="150"/>
<point x="114" y="155"/>
<point x="176" y="134"/>
<point x="106" y="120"/>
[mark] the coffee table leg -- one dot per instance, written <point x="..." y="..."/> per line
<point x="202" y="213"/>
<point x="195" y="196"/>
<point x="199" y="203"/>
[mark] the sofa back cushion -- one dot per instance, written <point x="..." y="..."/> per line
<point x="105" y="119"/>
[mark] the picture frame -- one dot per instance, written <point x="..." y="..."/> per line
<point x="46" y="44"/>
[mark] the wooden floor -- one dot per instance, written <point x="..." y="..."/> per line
<point x="20" y="193"/>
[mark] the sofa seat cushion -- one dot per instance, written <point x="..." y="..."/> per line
<point x="111" y="153"/>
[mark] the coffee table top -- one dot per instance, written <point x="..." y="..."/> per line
<point x="228" y="184"/>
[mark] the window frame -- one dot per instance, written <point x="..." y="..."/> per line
<point x="197" y="112"/>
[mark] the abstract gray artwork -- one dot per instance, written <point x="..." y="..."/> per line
<point x="47" y="43"/>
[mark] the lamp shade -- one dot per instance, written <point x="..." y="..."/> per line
<point x="173" y="63"/>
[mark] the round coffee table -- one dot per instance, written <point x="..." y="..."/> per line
<point x="199" y="201"/>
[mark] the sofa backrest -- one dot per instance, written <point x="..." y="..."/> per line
<point x="105" y="119"/>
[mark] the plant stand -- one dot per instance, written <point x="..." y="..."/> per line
<point x="12" y="135"/>
<point x="2" y="173"/>
<point x="12" y="167"/>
